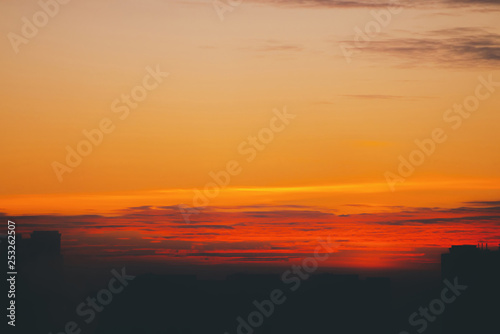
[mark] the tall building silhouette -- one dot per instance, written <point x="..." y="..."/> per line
<point x="40" y="285"/>
<point x="41" y="255"/>
<point x="46" y="243"/>
<point x="476" y="309"/>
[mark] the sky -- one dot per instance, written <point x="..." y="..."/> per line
<point x="271" y="124"/>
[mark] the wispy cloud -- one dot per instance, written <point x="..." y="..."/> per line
<point x="385" y="97"/>
<point x="334" y="3"/>
<point x="382" y="3"/>
<point x="274" y="46"/>
<point x="455" y="47"/>
<point x="267" y="233"/>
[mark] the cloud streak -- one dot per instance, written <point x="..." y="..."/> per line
<point x="455" y="47"/>
<point x="278" y="234"/>
<point x="382" y="4"/>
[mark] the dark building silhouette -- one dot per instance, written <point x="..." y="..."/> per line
<point x="40" y="255"/>
<point x="477" y="309"/>
<point x="45" y="243"/>
<point x="40" y="286"/>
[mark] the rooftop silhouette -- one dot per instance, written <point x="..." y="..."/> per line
<point x="477" y="309"/>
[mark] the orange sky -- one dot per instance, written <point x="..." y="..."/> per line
<point x="226" y="82"/>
